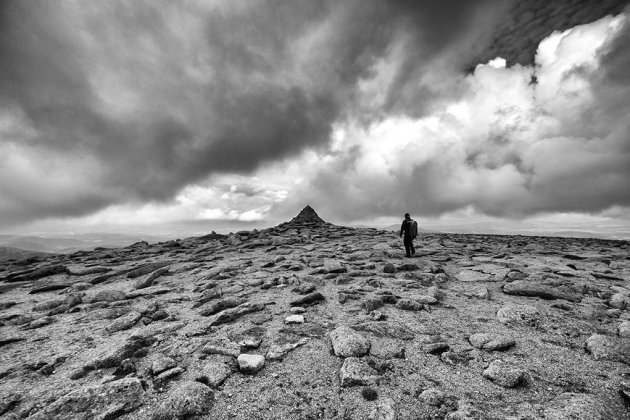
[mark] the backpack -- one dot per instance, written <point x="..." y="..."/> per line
<point x="413" y="229"/>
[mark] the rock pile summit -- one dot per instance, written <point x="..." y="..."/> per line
<point x="306" y="218"/>
<point x="308" y="320"/>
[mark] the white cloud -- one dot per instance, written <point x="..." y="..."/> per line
<point x="508" y="147"/>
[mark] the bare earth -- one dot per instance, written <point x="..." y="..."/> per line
<point x="308" y="320"/>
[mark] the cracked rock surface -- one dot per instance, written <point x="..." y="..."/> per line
<point x="297" y="320"/>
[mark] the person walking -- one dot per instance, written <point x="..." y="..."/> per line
<point x="409" y="228"/>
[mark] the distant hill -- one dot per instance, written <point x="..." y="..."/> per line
<point x="72" y="242"/>
<point x="8" y="253"/>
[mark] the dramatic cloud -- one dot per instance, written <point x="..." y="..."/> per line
<point x="152" y="111"/>
<point x="117" y="101"/>
<point x="522" y="140"/>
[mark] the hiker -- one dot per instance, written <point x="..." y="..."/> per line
<point x="409" y="228"/>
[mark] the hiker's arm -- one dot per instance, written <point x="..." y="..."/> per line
<point x="402" y="228"/>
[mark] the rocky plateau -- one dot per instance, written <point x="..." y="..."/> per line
<point x="308" y="320"/>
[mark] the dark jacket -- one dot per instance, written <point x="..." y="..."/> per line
<point x="405" y="229"/>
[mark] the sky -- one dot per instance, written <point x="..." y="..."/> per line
<point x="199" y="115"/>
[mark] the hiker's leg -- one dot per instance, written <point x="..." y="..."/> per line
<point x="408" y="246"/>
<point x="413" y="250"/>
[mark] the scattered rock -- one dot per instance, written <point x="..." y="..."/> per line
<point x="146" y="269"/>
<point x="304" y="288"/>
<point x="221" y="346"/>
<point x="542" y="290"/>
<point x="409" y="305"/>
<point x="491" y="342"/>
<point x="232" y="314"/>
<point x="106" y="401"/>
<point x="389" y="268"/>
<point x="501" y="374"/>
<point x="619" y="301"/>
<point x="219" y="305"/>
<point x="108" y="296"/>
<point x="278" y="351"/>
<point x="162" y="363"/>
<point x="213" y="374"/>
<point x="386" y="329"/>
<point x="604" y="347"/>
<point x="384" y="410"/>
<point x="124" y="322"/>
<point x="250" y="363"/>
<point x="294" y="319"/>
<point x="142" y="283"/>
<point x="4" y="340"/>
<point x="309" y="299"/>
<point x="432" y="396"/>
<point x="348" y="343"/>
<point x="624" y="329"/>
<point x="372" y="303"/>
<point x="168" y="374"/>
<point x="356" y="371"/>
<point x="188" y="399"/>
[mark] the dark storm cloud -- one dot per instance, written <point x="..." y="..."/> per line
<point x="560" y="145"/>
<point x="527" y="22"/>
<point x="162" y="94"/>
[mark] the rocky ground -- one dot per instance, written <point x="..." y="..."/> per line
<point x="309" y="320"/>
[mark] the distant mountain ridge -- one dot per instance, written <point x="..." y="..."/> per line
<point x="59" y="243"/>
<point x="8" y="253"/>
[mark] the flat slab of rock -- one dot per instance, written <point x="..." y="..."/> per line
<point x="124" y="322"/>
<point x="108" y="296"/>
<point x="502" y="374"/>
<point x="346" y="342"/>
<point x="232" y="314"/>
<point x="222" y="346"/>
<point x="308" y="299"/>
<point x="574" y="406"/>
<point x="219" y="305"/>
<point x="356" y="371"/>
<point x="545" y="291"/>
<point x="386" y="329"/>
<point x="604" y="347"/>
<point x="162" y="363"/>
<point x="491" y="342"/>
<point x="100" y="401"/>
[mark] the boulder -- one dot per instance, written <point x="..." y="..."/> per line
<point x="491" y="342"/>
<point x="213" y="374"/>
<point x="356" y="371"/>
<point x="604" y="347"/>
<point x="188" y="399"/>
<point x="250" y="363"/>
<point x="504" y="375"/>
<point x="348" y="343"/>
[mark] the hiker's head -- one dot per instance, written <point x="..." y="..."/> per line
<point x="407" y="216"/>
